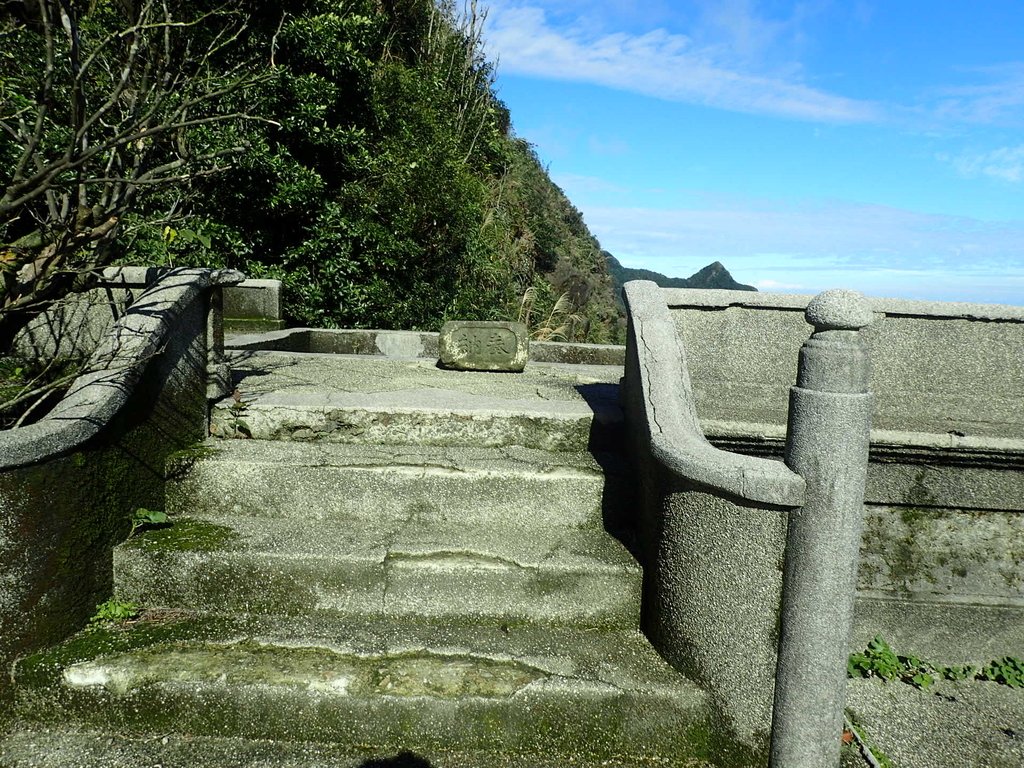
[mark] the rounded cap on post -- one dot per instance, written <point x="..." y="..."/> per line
<point x="838" y="310"/>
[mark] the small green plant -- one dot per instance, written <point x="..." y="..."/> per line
<point x="866" y="745"/>
<point x="880" y="660"/>
<point x="113" y="612"/>
<point x="145" y="517"/>
<point x="238" y="427"/>
<point x="1008" y="670"/>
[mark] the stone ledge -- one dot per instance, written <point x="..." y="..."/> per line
<point x="113" y="369"/>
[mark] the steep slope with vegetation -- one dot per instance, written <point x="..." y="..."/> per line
<point x="354" y="149"/>
<point x="382" y="182"/>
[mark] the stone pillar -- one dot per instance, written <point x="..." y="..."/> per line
<point x="827" y="444"/>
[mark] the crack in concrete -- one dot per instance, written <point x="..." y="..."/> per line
<point x="649" y="354"/>
<point x="456" y="556"/>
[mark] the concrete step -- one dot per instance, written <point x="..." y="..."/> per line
<point x="386" y="688"/>
<point x="386" y="566"/>
<point x="363" y="399"/>
<point x="321" y="482"/>
<point x="75" y="748"/>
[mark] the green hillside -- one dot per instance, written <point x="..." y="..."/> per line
<point x="354" y="149"/>
<point x="385" y="186"/>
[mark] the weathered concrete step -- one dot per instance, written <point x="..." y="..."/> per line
<point x="75" y="748"/>
<point x="419" y="417"/>
<point x="950" y="632"/>
<point x="320" y="482"/>
<point x="395" y="567"/>
<point x="578" y="694"/>
<point x="358" y="399"/>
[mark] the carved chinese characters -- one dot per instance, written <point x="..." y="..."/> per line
<point x="484" y="346"/>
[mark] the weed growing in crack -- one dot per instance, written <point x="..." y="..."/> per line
<point x="880" y="660"/>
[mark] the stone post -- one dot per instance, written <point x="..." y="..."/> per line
<point x="827" y="445"/>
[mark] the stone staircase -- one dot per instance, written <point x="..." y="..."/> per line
<point x="398" y="566"/>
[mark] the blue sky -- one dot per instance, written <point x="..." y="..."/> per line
<point x="807" y="145"/>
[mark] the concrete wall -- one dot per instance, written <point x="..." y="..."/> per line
<point x="70" y="482"/>
<point x="942" y="559"/>
<point x="253" y="306"/>
<point x="415" y="344"/>
<point x="712" y="528"/>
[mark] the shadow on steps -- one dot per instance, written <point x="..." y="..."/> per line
<point x="403" y="760"/>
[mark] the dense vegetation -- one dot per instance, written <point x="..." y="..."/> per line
<point x="354" y="149"/>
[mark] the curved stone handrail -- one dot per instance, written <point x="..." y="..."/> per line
<point x="114" y="368"/>
<point x="670" y="414"/>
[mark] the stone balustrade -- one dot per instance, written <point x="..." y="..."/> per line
<point x="765" y="477"/>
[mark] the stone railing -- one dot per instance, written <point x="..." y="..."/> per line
<point x="938" y="567"/>
<point x="70" y="482"/>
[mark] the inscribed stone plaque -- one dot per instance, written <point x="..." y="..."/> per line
<point x="483" y="346"/>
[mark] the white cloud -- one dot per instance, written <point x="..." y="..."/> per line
<point x="1000" y="100"/>
<point x="1005" y="163"/>
<point x="657" y="63"/>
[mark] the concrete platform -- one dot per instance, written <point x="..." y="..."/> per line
<point x="952" y="725"/>
<point x="366" y="399"/>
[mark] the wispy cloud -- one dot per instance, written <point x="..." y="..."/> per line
<point x="999" y="99"/>
<point x="851" y="234"/>
<point x="660" y="64"/>
<point x="1004" y="163"/>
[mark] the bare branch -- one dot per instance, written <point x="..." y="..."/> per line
<point x="45" y="94"/>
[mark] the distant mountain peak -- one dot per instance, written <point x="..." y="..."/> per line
<point x="714" y="275"/>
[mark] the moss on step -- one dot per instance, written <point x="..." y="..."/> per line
<point x="184" y="534"/>
<point x="181" y="462"/>
<point x="172" y="673"/>
<point x="152" y="627"/>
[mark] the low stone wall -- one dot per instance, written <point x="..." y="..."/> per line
<point x="253" y="306"/>
<point x="939" y="368"/>
<point x="412" y="344"/>
<point x="70" y="482"/>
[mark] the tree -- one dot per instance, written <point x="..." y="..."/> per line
<point x="102" y="103"/>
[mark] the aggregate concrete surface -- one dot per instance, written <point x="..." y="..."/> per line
<point x="973" y="724"/>
<point x="283" y="372"/>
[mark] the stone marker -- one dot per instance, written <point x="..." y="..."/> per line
<point x="466" y="345"/>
